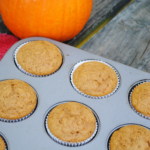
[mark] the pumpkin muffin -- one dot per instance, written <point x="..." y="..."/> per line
<point x="95" y="78"/>
<point x="2" y="144"/>
<point x="71" y="122"/>
<point x="130" y="137"/>
<point x="17" y="99"/>
<point x="140" y="98"/>
<point x="38" y="58"/>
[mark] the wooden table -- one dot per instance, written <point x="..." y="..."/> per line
<point x="118" y="30"/>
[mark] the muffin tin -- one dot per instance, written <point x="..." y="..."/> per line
<point x="112" y="111"/>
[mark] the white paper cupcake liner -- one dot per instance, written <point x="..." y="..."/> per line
<point x="25" y="117"/>
<point x="71" y="144"/>
<point x="28" y="73"/>
<point x="129" y="97"/>
<point x="117" y="128"/>
<point x="89" y="96"/>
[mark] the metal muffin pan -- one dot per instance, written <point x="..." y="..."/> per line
<point x="112" y="111"/>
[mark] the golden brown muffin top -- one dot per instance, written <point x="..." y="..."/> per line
<point x="140" y="98"/>
<point x="17" y="99"/>
<point x="71" y="122"/>
<point x="39" y="57"/>
<point x="95" y="78"/>
<point x="130" y="137"/>
<point x="2" y="144"/>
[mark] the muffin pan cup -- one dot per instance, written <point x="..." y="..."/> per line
<point x="112" y="111"/>
<point x="94" y="60"/>
<point x="72" y="144"/>
<point x="130" y="93"/>
<point x="28" y="73"/>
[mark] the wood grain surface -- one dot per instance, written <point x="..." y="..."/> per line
<point x="126" y="38"/>
<point x="103" y="11"/>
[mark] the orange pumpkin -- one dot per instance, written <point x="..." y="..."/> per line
<point x="57" y="19"/>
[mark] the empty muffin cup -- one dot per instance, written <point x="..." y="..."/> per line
<point x="38" y="58"/>
<point x="71" y="123"/>
<point x="139" y="98"/>
<point x="95" y="79"/>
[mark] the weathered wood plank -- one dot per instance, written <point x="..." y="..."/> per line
<point x="126" y="38"/>
<point x="143" y="61"/>
<point x="103" y="11"/>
